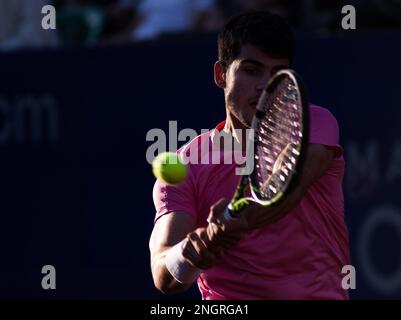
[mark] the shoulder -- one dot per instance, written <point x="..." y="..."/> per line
<point x="324" y="129"/>
<point x="321" y="115"/>
<point x="322" y="120"/>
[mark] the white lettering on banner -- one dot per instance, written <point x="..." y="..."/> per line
<point x="386" y="284"/>
<point x="26" y="120"/>
<point x="367" y="168"/>
<point x="363" y="169"/>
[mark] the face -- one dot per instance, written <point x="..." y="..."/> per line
<point x="244" y="81"/>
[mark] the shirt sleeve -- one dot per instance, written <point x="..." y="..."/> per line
<point x="323" y="129"/>
<point x="181" y="198"/>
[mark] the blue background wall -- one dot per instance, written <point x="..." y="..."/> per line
<point x="76" y="189"/>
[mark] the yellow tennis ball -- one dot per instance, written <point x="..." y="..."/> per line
<point x="168" y="167"/>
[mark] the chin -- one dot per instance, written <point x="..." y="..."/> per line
<point x="248" y="118"/>
<point x="244" y="118"/>
<point x="247" y="122"/>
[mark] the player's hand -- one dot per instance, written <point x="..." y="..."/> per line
<point x="224" y="234"/>
<point x="199" y="250"/>
<point x="205" y="246"/>
<point x="258" y="216"/>
<point x="252" y="217"/>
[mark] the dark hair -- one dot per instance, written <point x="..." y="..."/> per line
<point x="268" y="32"/>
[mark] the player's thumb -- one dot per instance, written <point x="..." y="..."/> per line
<point x="217" y="210"/>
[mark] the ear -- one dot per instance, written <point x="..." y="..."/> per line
<point x="219" y="74"/>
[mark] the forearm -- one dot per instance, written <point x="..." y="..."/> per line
<point x="287" y="204"/>
<point x="168" y="232"/>
<point x="177" y="260"/>
<point x="257" y="216"/>
<point x="317" y="162"/>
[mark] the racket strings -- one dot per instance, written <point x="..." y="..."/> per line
<point x="277" y="139"/>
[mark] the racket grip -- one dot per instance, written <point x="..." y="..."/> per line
<point x="227" y="216"/>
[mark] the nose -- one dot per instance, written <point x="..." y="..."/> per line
<point x="262" y="82"/>
<point x="259" y="86"/>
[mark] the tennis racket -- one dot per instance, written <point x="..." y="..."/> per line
<point x="279" y="137"/>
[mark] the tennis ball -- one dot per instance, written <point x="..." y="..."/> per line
<point x="168" y="167"/>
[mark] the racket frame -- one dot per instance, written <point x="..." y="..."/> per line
<point x="239" y="201"/>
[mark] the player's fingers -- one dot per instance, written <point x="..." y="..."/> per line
<point x="207" y="258"/>
<point x="190" y="253"/>
<point x="204" y="235"/>
<point x="217" y="210"/>
<point x="219" y="233"/>
<point x="213" y="247"/>
<point x="193" y="257"/>
<point x="219" y="238"/>
<point x="202" y="246"/>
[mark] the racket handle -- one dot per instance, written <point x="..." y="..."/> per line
<point x="227" y="216"/>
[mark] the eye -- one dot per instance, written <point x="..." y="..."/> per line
<point x="251" y="71"/>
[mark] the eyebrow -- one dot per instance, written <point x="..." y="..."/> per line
<point x="255" y="62"/>
<point x="260" y="64"/>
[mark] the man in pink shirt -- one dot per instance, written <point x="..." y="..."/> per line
<point x="293" y="250"/>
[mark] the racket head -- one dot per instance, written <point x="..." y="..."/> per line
<point x="281" y="128"/>
<point x="279" y="136"/>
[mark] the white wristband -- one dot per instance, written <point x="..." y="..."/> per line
<point x="180" y="268"/>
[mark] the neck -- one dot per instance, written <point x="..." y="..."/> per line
<point x="237" y="129"/>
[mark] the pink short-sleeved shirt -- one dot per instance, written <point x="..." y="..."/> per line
<point x="300" y="256"/>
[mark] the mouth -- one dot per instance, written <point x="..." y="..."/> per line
<point x="253" y="104"/>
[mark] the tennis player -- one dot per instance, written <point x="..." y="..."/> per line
<point x="292" y="250"/>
